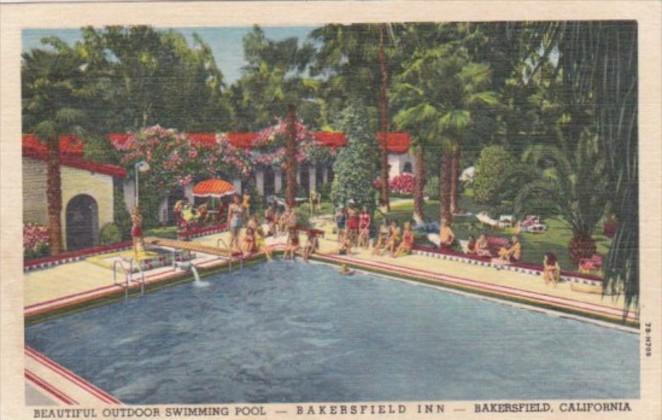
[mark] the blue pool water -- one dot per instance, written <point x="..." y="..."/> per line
<point x="295" y="332"/>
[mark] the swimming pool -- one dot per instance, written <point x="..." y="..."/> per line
<point x="296" y="332"/>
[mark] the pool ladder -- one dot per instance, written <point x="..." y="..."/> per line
<point x="128" y="275"/>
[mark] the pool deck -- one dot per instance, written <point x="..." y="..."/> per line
<point x="69" y="285"/>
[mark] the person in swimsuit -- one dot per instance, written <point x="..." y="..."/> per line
<point x="312" y="244"/>
<point x="482" y="247"/>
<point x="551" y="269"/>
<point x="446" y="235"/>
<point x="407" y="243"/>
<point x="393" y="238"/>
<point x="248" y="244"/>
<point x="382" y="238"/>
<point x="137" y="232"/>
<point x="511" y="253"/>
<point x="292" y="243"/>
<point x="353" y="224"/>
<point x="235" y="213"/>
<point x="261" y="241"/>
<point x="364" y="228"/>
<point x="341" y="218"/>
<point x="270" y="219"/>
<point x="345" y="245"/>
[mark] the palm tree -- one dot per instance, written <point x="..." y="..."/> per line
<point x="438" y="91"/>
<point x="54" y="96"/>
<point x="574" y="179"/>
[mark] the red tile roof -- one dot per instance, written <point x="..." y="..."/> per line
<point x="71" y="154"/>
<point x="396" y="142"/>
<point x="331" y="138"/>
<point x="243" y="140"/>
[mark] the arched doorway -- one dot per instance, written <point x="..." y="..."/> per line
<point x="82" y="222"/>
<point x="407" y="168"/>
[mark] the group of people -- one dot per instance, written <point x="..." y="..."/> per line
<point x="276" y="223"/>
<point x="353" y="227"/>
<point x="353" y="231"/>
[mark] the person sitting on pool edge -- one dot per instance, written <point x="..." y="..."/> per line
<point x="512" y="253"/>
<point x="261" y="241"/>
<point x="312" y="244"/>
<point x="551" y="269"/>
<point x="407" y="243"/>
<point x="292" y="243"/>
<point x="345" y="244"/>
<point x="248" y="246"/>
<point x="482" y="248"/>
<point x="382" y="238"/>
<point x="393" y="238"/>
<point x="446" y="235"/>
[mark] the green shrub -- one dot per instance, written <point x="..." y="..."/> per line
<point x="109" y="234"/>
<point x="492" y="168"/>
<point x="432" y="188"/>
<point x="303" y="216"/>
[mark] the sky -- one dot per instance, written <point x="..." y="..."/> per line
<point x="225" y="42"/>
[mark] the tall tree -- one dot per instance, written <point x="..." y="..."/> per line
<point x="353" y="172"/>
<point x="54" y="98"/>
<point x="357" y="61"/>
<point x="439" y="89"/>
<point x="598" y="61"/>
<point x="148" y="76"/>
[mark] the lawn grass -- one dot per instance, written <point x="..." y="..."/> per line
<point x="534" y="245"/>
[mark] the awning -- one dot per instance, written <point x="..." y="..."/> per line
<point x="213" y="188"/>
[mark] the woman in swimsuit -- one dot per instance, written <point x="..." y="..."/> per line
<point x="364" y="228"/>
<point x="381" y="240"/>
<point x="407" y="241"/>
<point x="249" y="246"/>
<point x="393" y="239"/>
<point x="235" y="212"/>
<point x="137" y="231"/>
<point x="353" y="224"/>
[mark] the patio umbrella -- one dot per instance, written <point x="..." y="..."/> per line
<point x="214" y="187"/>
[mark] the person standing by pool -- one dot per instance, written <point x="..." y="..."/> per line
<point x="364" y="228"/>
<point x="341" y="218"/>
<point x="352" y="223"/>
<point x="235" y="213"/>
<point x="137" y="232"/>
<point x="446" y="235"/>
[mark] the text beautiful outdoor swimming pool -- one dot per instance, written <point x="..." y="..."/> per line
<point x="295" y="332"/>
